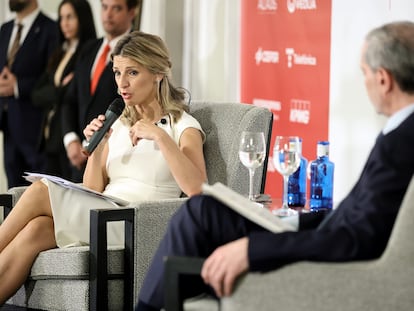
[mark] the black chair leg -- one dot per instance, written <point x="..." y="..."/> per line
<point x="6" y="200"/>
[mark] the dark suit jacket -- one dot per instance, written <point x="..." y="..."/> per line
<point x="80" y="107"/>
<point x="360" y="226"/>
<point x="24" y="120"/>
<point x="50" y="98"/>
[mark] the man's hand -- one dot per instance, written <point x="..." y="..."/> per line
<point x="224" y="265"/>
<point x="7" y="83"/>
<point x="75" y="154"/>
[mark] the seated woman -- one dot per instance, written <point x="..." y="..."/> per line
<point x="154" y="150"/>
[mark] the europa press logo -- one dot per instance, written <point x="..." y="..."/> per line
<point x="293" y="5"/>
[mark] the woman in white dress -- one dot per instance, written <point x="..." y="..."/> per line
<point x="154" y="150"/>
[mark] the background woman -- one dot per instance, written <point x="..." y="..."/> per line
<point x="76" y="26"/>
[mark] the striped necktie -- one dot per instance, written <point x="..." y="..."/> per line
<point x="15" y="46"/>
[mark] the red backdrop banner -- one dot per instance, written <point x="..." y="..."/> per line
<point x="285" y="57"/>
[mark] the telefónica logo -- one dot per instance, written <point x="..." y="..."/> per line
<point x="299" y="59"/>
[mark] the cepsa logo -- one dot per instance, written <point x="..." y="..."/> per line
<point x="267" y="5"/>
<point x="300" y="111"/>
<point x="299" y="59"/>
<point x="266" y="56"/>
<point x="293" y="5"/>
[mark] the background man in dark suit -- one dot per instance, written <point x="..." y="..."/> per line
<point x="360" y="226"/>
<point x="82" y="104"/>
<point x="21" y="64"/>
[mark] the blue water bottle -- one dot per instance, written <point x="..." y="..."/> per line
<point x="321" y="179"/>
<point x="297" y="183"/>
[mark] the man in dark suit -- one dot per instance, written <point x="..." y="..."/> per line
<point x="22" y="62"/>
<point x="360" y="226"/>
<point x="84" y="102"/>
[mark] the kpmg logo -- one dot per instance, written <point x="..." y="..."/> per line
<point x="300" y="111"/>
<point x="267" y="5"/>
<point x="294" y="58"/>
<point x="293" y="5"/>
<point x="266" y="56"/>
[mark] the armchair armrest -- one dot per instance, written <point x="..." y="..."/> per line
<point x="9" y="199"/>
<point x="16" y="193"/>
<point x="151" y="220"/>
<point x="175" y="266"/>
<point x="98" y="270"/>
<point x="6" y="201"/>
<point x="291" y="287"/>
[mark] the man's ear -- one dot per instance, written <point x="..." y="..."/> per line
<point x="384" y="79"/>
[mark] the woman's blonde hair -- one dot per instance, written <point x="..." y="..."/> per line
<point x="151" y="52"/>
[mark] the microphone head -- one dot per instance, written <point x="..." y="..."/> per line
<point x="117" y="106"/>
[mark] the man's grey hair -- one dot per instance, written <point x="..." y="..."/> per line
<point x="391" y="47"/>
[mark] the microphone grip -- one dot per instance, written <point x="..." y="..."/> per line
<point x="110" y="118"/>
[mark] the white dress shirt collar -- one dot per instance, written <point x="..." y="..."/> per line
<point x="397" y="118"/>
<point x="27" y="23"/>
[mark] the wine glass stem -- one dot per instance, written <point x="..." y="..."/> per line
<point x="285" y="191"/>
<point x="251" y="175"/>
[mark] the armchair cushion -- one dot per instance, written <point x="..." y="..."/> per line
<point x="73" y="262"/>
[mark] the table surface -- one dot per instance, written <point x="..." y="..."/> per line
<point x="276" y="203"/>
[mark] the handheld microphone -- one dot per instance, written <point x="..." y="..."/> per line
<point x="112" y="113"/>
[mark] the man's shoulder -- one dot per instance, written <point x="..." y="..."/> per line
<point x="44" y="19"/>
<point x="8" y="24"/>
<point x="94" y="42"/>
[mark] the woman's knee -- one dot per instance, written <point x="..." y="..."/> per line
<point x="37" y="196"/>
<point x="39" y="230"/>
<point x="37" y="189"/>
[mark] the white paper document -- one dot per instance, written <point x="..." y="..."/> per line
<point x="31" y="177"/>
<point x="253" y="211"/>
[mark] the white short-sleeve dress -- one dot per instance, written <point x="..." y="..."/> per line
<point x="136" y="173"/>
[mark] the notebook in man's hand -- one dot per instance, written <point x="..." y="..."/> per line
<point x="253" y="211"/>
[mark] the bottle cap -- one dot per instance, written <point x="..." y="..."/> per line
<point x="322" y="149"/>
<point x="296" y="145"/>
<point x="300" y="145"/>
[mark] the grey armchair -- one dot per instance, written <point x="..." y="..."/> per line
<point x="61" y="279"/>
<point x="384" y="284"/>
